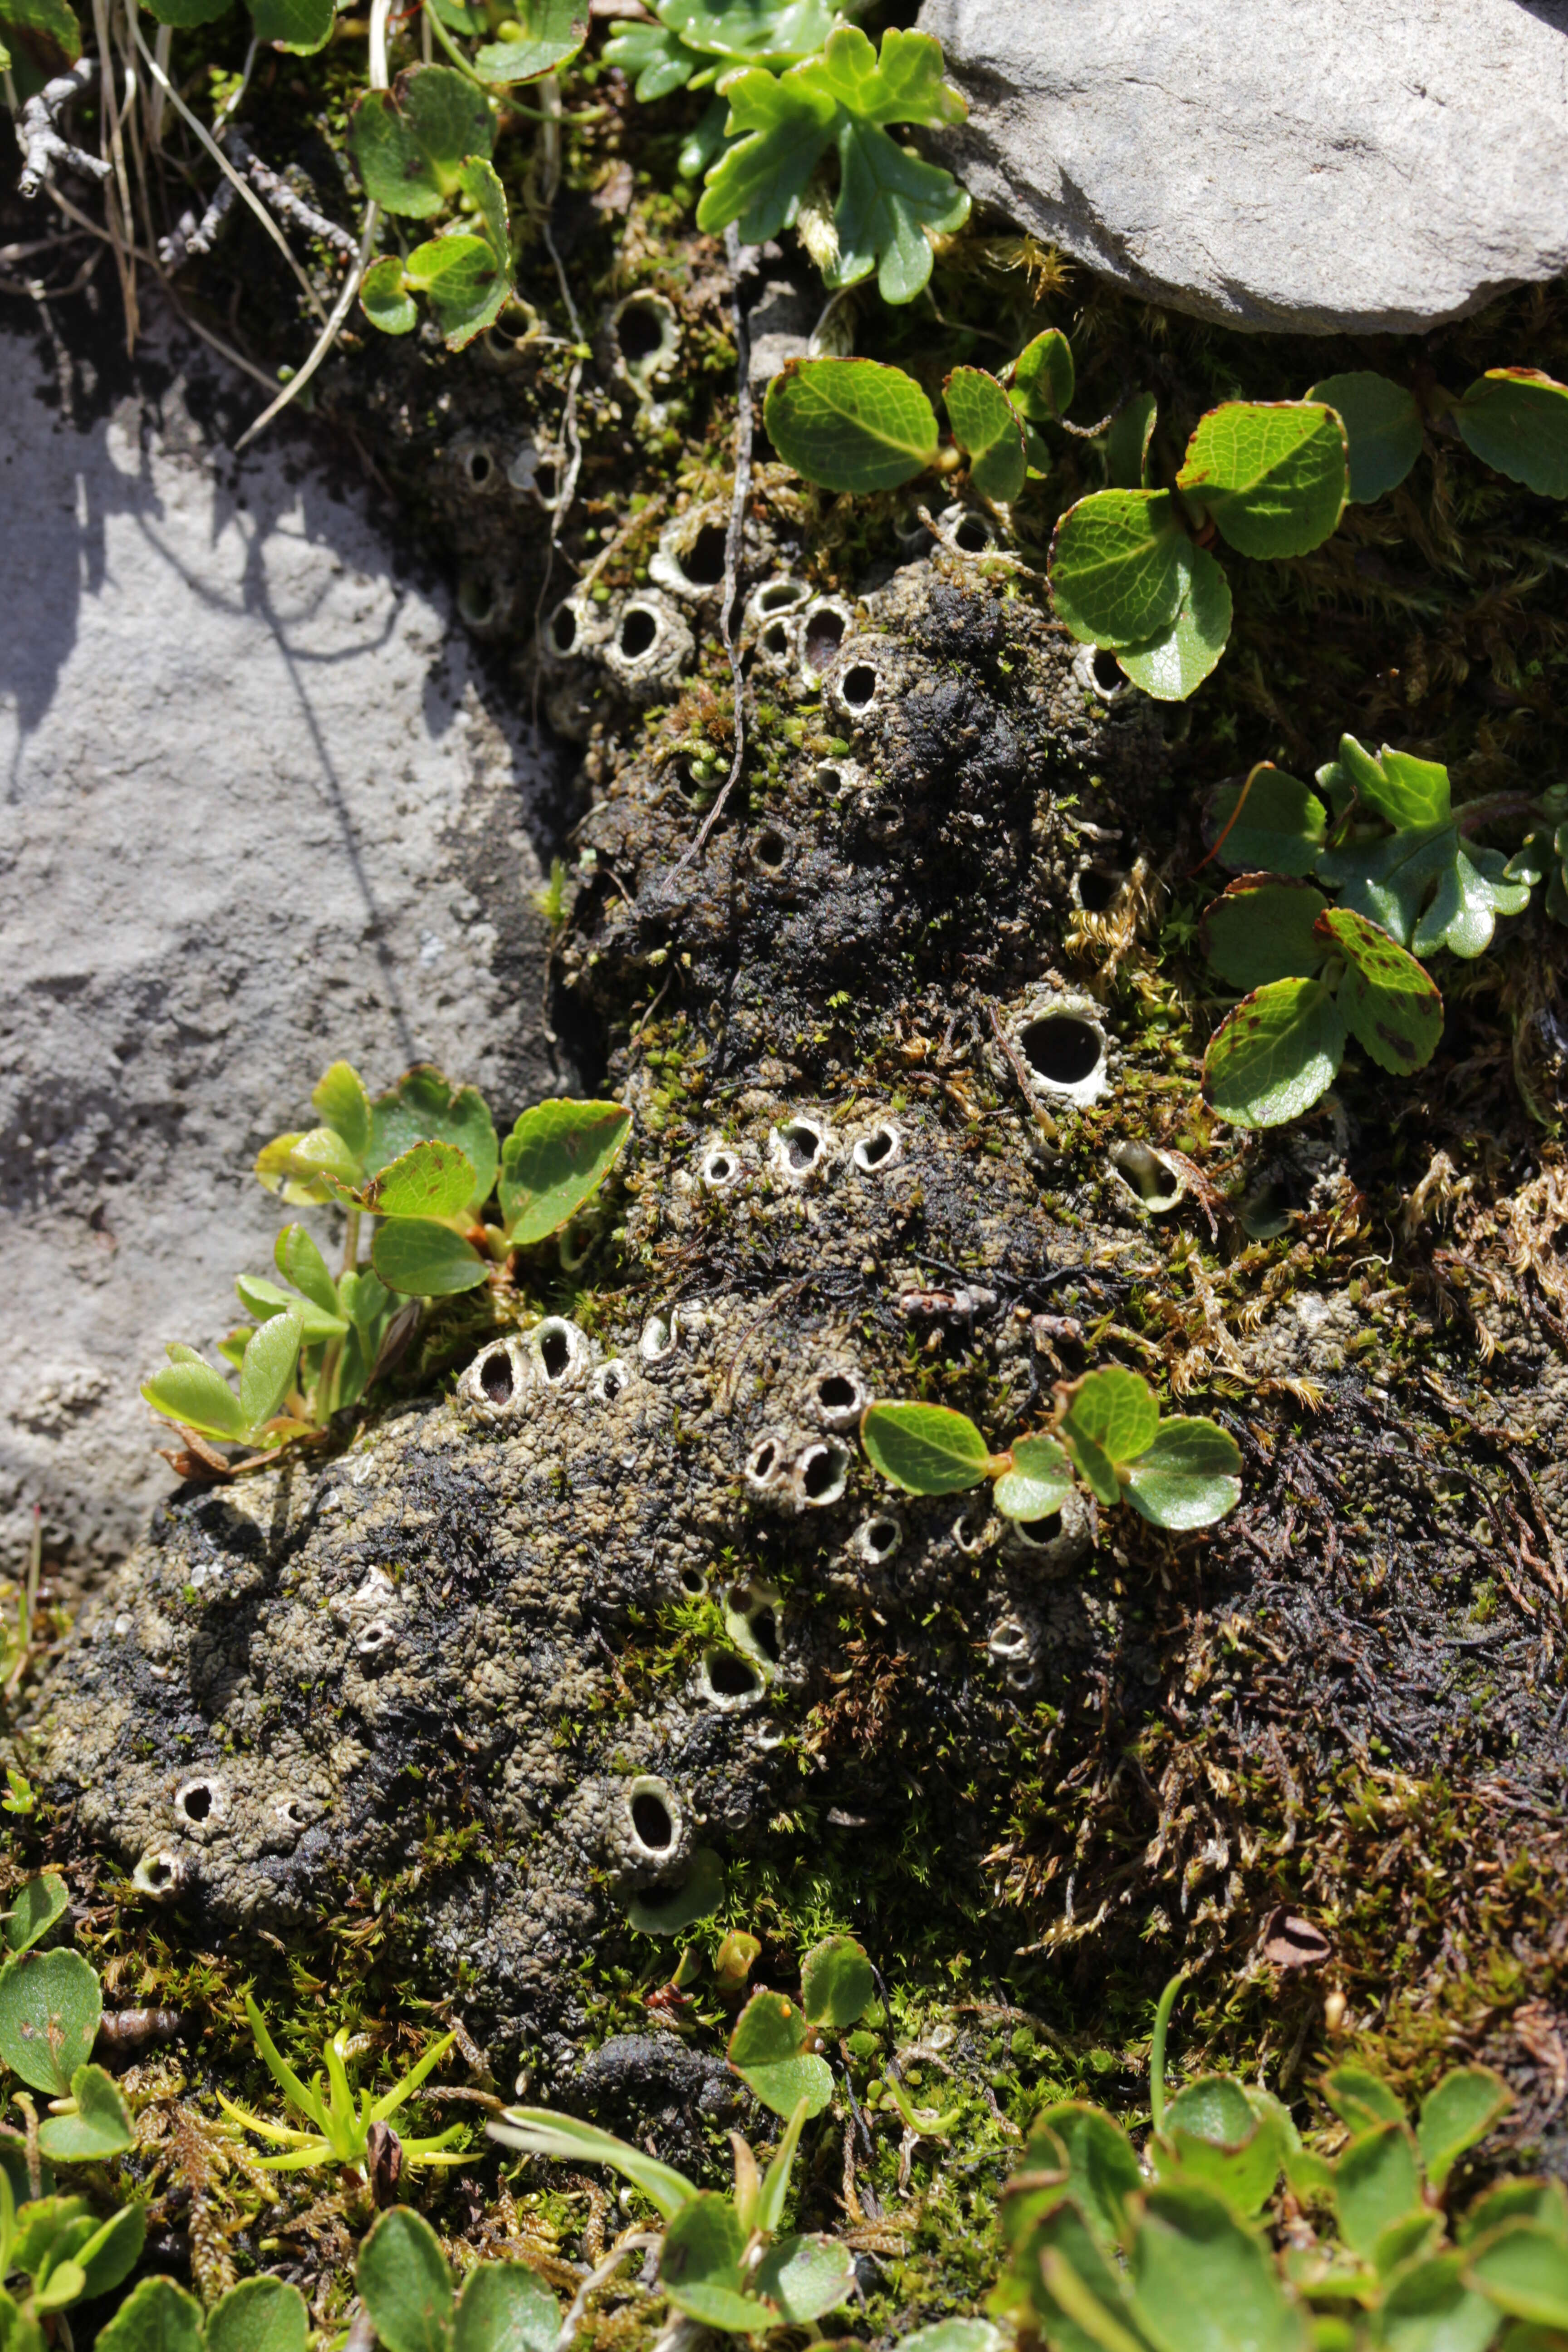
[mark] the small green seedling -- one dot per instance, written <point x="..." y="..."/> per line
<point x="776" y="2044"/>
<point x="338" y="2128"/>
<point x="55" y="2253"/>
<point x="1381" y="831"/>
<point x="464" y="272"/>
<point x="406" y="2289"/>
<point x="1107" y="1431"/>
<point x="721" y="2262"/>
<point x="259" y="2314"/>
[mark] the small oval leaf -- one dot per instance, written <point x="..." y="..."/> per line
<point x="850" y="425"/>
<point x="928" y="1449"/>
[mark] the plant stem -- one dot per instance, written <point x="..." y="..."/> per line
<point x="1157" y="2050"/>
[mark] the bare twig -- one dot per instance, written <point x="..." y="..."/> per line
<point x="43" y="144"/>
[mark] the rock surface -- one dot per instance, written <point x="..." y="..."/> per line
<point x="259" y="815"/>
<point x="1365" y="165"/>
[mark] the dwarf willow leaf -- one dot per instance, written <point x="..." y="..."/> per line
<point x="1273" y="474"/>
<point x="985" y="426"/>
<point x="259" y="2314"/>
<point x="803" y="2277"/>
<point x="1542" y="2201"/>
<point x="405" y="2283"/>
<point x="299" y="1261"/>
<point x="1429" y="2308"/>
<point x="954" y="2335"/>
<point x="37" y="1904"/>
<point x="700" y="2266"/>
<point x="757" y="32"/>
<point x="300" y="27"/>
<point x="1455" y="2115"/>
<point x="1272" y="824"/>
<point x="539" y="39"/>
<point x="340" y="1096"/>
<point x="1389" y="1002"/>
<point x="1516" y="421"/>
<point x="424" y="1260"/>
<point x="1127" y="443"/>
<point x="1382" y="429"/>
<point x="835" y="1982"/>
<point x="266" y="1299"/>
<point x="768" y="2049"/>
<point x="423" y="1107"/>
<point x="1174" y="665"/>
<point x="386" y="300"/>
<point x="155" y="2316"/>
<point x="1212" y="2135"/>
<point x="100" y="2128"/>
<point x="554" y="1160"/>
<point x="1043" y="378"/>
<point x="1201" y="2281"/>
<point x="850" y="425"/>
<point x="46" y="32"/>
<point x="267" y="1371"/>
<point x="1465" y="885"/>
<point x="410" y="142"/>
<point x="311" y="1166"/>
<point x="429" y="1180"/>
<point x="51" y="2006"/>
<point x="1116" y="571"/>
<point x="1378" y="2182"/>
<point x="927" y="1449"/>
<point x="505" y="2307"/>
<point x="1263" y="929"/>
<point x="1038" y="1482"/>
<point x="467" y="277"/>
<point x="1189" y="1476"/>
<point x="1407" y="792"/>
<point x="190" y="1393"/>
<point x="1112" y="1419"/>
<point x="1275" y="1053"/>
<point x="113" y="2251"/>
<point x="1524" y="2270"/>
<point x="1359" y="2098"/>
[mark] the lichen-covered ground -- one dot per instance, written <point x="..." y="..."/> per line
<point x="419" y="1690"/>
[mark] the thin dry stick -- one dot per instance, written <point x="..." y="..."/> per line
<point x="225" y="350"/>
<point x="734" y="537"/>
<point x="550" y="182"/>
<point x="118" y="213"/>
<point x="227" y="168"/>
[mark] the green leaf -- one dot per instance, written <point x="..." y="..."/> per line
<point x="302" y="27"/>
<point x="654" y="60"/>
<point x="64" y="2286"/>
<point x="267" y="1373"/>
<point x="1174" y="664"/>
<point x="1213" y="2136"/>
<point x="1407" y="792"/>
<point x="837" y="1983"/>
<point x="101" y="2125"/>
<point x="467" y="277"/>
<point x="668" y="1910"/>
<point x="1455" y="2115"/>
<point x="260" y="2315"/>
<point x="155" y="2316"/>
<point x="1279" y="830"/>
<point x="1465" y="885"/>
<point x="1378" y="2182"/>
<point x="1275" y="1053"/>
<point x="340" y="1096"/>
<point x="1389" y="1002"/>
<point x="1117" y="572"/>
<point x="37" y="1904"/>
<point x="1098" y="2157"/>
<point x="767" y="2049"/>
<point x="1430" y="2309"/>
<point x="538" y="2131"/>
<point x="775" y="2188"/>
<point x="384" y="300"/>
<point x="927" y="1449"/>
<point x="197" y="1397"/>
<point x="49" y="2011"/>
<point x="1203" y="2283"/>
<point x="365" y="1299"/>
<point x="299" y="1261"/>
<point x="405" y="2283"/>
<point x="1115" y="1411"/>
<point x="429" y="1179"/>
<point x="1190" y="1476"/>
<point x="1544" y="2202"/>
<point x="46" y="32"/>
<point x="505" y="2307"/>
<point x="954" y="2335"/>
<point x="803" y="2277"/>
<point x="987" y="428"/>
<point x="308" y="1167"/>
<point x="1273" y="474"/>
<point x="700" y="2266"/>
<point x="266" y="1301"/>
<point x="113" y="2251"/>
<point x="1043" y="378"/>
<point x="1516" y="421"/>
<point x="783" y="125"/>
<point x="1127" y="443"/>
<point x="1038" y="1483"/>
<point x="1361" y="2098"/>
<point x="424" y="1260"/>
<point x="1382" y="429"/>
<point x="410" y="142"/>
<point x="850" y="425"/>
<point x="554" y="1160"/>
<point x="1261" y="929"/>
<point x="553" y="32"/>
<point x="184" y="12"/>
<point x="759" y="32"/>
<point x="1524" y="2270"/>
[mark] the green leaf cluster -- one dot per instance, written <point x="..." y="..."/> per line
<point x="337" y="2126"/>
<point x="51" y="2006"/>
<point x="721" y="2260"/>
<point x="1381" y="831"/>
<point x="1107" y="1431"/>
<point x="775" y="2045"/>
<point x="55" y="2253"/>
<point x="406" y="2289"/>
<point x="1105" y="2252"/>
<point x="259" y="2314"/>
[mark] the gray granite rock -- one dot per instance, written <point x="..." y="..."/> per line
<point x="258" y="815"/>
<point x="1312" y="165"/>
